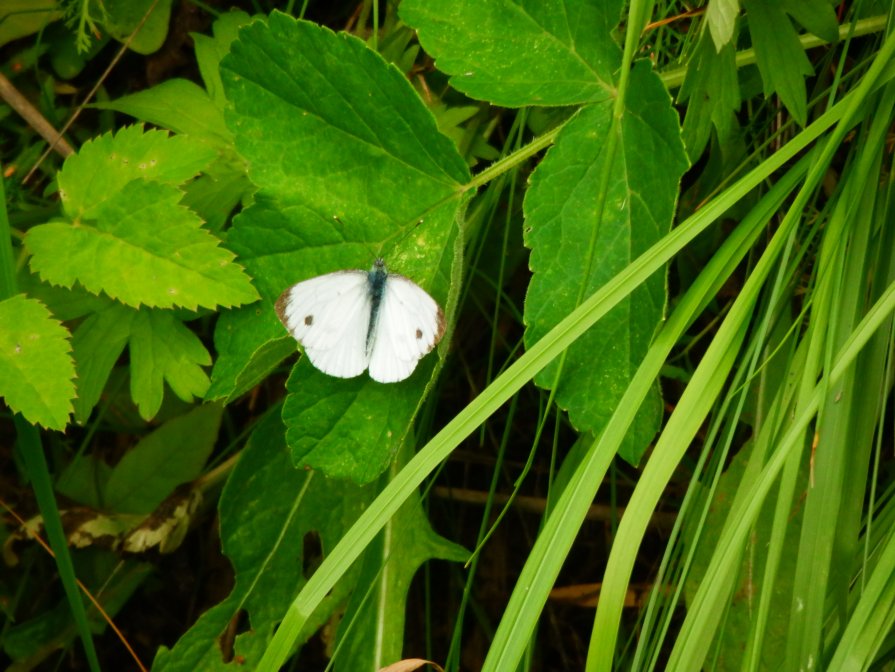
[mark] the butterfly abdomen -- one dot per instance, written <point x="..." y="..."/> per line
<point x="376" y="279"/>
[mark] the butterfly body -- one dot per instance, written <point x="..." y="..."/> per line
<point x="349" y="321"/>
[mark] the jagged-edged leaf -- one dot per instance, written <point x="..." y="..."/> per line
<point x="341" y="429"/>
<point x="779" y="54"/>
<point x="334" y="131"/>
<point x="104" y="165"/>
<point x="516" y="53"/>
<point x="142" y="248"/>
<point x="576" y="239"/>
<point x="271" y="514"/>
<point x="36" y="369"/>
<point x="65" y="303"/>
<point x="162" y="349"/>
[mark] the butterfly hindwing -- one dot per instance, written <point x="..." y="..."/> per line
<point x="409" y="324"/>
<point x="330" y="316"/>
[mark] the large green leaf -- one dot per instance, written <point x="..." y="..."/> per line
<point x="346" y="429"/>
<point x="36" y="369"/>
<point x="372" y="631"/>
<point x="578" y="239"/>
<point x="271" y="516"/>
<point x="334" y="131"/>
<point x="522" y="52"/>
<point x="171" y="455"/>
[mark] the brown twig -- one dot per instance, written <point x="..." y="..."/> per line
<point x="598" y="512"/>
<point x="32" y="115"/>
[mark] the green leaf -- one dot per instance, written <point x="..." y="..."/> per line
<point x="351" y="139"/>
<point x="143" y="248"/>
<point x="347" y="428"/>
<point x="36" y="369"/>
<point x="516" y="53"/>
<point x="237" y="332"/>
<point x="562" y="209"/>
<point x="163" y="349"/>
<point x="210" y="51"/>
<point x="816" y="16"/>
<point x="215" y="195"/>
<point x="125" y="21"/>
<point x="65" y="304"/>
<point x="104" y="165"/>
<point x="83" y="480"/>
<point x="171" y="455"/>
<point x="372" y="632"/>
<point x="178" y="105"/>
<point x="97" y="343"/>
<point x="712" y="87"/>
<point x="721" y="16"/>
<point x="24" y="17"/>
<point x="332" y="109"/>
<point x="271" y="514"/>
<point x="781" y="60"/>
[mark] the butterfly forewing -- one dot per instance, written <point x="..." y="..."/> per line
<point x="410" y="323"/>
<point x="330" y="316"/>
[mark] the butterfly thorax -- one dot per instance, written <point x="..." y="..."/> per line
<point x="376" y="278"/>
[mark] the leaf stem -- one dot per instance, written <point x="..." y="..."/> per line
<point x="509" y="162"/>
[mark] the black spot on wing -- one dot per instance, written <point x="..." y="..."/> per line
<point x="309" y="320"/>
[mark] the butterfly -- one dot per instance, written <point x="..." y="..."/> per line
<point x="349" y="321"/>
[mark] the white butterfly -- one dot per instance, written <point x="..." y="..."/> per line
<point x="348" y="321"/>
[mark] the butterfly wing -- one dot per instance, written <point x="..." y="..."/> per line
<point x="410" y="323"/>
<point x="330" y="316"/>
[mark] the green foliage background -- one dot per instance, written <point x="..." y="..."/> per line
<point x="686" y="298"/>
